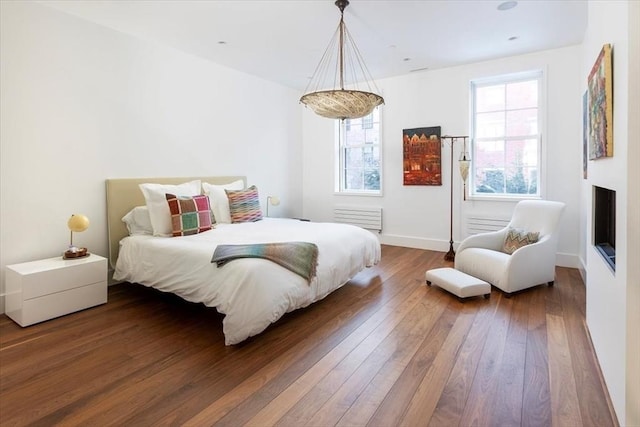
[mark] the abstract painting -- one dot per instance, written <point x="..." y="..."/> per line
<point x="585" y="133"/>
<point x="600" y="88"/>
<point x="422" y="158"/>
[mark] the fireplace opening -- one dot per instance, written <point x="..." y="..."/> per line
<point x="604" y="224"/>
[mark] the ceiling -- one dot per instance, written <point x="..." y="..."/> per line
<point x="283" y="40"/>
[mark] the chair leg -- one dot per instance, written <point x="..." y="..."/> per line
<point x="550" y="283"/>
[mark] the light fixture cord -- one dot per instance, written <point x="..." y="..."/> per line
<point x="341" y="50"/>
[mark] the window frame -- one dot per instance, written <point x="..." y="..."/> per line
<point x="339" y="132"/>
<point x="474" y="84"/>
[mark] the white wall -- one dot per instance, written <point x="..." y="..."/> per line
<point x="81" y="103"/>
<point x="418" y="216"/>
<point x="613" y="329"/>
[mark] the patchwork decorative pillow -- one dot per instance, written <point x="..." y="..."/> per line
<point x="244" y="205"/>
<point x="155" y="199"/>
<point x="189" y="214"/>
<point x="517" y="238"/>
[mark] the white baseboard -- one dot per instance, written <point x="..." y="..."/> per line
<point x="567" y="260"/>
<point x="562" y="259"/>
<point x="583" y="270"/>
<point x="415" y="242"/>
<point x="1" y="303"/>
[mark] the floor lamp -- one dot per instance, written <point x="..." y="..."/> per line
<point x="464" y="162"/>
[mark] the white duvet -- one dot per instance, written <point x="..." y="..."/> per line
<point x="251" y="292"/>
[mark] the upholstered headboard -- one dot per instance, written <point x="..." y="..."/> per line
<point x="123" y="194"/>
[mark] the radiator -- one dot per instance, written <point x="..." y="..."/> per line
<point x="481" y="224"/>
<point x="362" y="216"/>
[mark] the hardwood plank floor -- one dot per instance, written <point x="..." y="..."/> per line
<point x="383" y="350"/>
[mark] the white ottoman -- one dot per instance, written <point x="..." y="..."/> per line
<point x="458" y="283"/>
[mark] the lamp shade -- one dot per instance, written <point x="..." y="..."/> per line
<point x="342" y="104"/>
<point x="78" y="223"/>
<point x="274" y="200"/>
<point x="336" y="92"/>
<point x="464" y="169"/>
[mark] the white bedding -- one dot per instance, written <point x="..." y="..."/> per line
<point x="251" y="292"/>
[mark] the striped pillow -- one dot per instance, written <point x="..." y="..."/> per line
<point x="244" y="205"/>
<point x="189" y="214"/>
<point x="517" y="238"/>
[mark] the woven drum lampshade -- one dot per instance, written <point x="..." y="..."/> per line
<point x="341" y="102"/>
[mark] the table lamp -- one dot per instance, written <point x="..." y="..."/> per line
<point x="273" y="201"/>
<point x="77" y="223"/>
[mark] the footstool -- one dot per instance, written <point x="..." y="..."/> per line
<point x="458" y="283"/>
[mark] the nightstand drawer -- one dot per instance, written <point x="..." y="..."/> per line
<point x="51" y="276"/>
<point x="58" y="304"/>
<point x="48" y="288"/>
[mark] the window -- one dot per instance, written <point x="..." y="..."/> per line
<point x="359" y="154"/>
<point x="506" y="142"/>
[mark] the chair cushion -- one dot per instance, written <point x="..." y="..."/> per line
<point x="485" y="264"/>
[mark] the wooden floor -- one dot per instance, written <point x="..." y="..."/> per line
<point x="384" y="350"/>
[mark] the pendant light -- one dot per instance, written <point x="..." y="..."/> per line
<point x="345" y="101"/>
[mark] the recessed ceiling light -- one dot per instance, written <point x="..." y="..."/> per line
<point x="507" y="5"/>
<point x="512" y="38"/>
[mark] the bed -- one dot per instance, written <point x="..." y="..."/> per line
<point x="252" y="293"/>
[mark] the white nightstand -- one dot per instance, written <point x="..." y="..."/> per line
<point x="48" y="288"/>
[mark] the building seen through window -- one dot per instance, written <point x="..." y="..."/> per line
<point x="506" y="136"/>
<point x="359" y="154"/>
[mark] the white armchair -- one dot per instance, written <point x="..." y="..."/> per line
<point x="482" y="255"/>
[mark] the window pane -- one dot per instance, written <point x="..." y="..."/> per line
<point x="490" y="98"/>
<point x="353" y="158"/>
<point x="489" y="154"/>
<point x="353" y="179"/>
<point x="371" y="158"/>
<point x="506" y="139"/>
<point x="488" y="180"/>
<point x="359" y="154"/>
<point x="489" y="125"/>
<point x="522" y="122"/>
<point x="530" y="152"/>
<point x="355" y="136"/>
<point x="372" y="136"/>
<point x="367" y="122"/>
<point x="522" y="95"/>
<point x="521" y="167"/>
<point x="371" y="179"/>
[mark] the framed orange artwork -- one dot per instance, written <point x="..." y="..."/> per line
<point x="422" y="158"/>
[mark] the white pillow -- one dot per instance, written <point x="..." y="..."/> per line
<point x="219" y="201"/>
<point x="154" y="196"/>
<point x="138" y="221"/>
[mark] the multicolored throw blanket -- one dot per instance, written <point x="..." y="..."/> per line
<point x="299" y="257"/>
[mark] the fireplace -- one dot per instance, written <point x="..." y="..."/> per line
<point x="604" y="224"/>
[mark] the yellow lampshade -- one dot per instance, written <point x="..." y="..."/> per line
<point x="274" y="200"/>
<point x="78" y="223"/>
